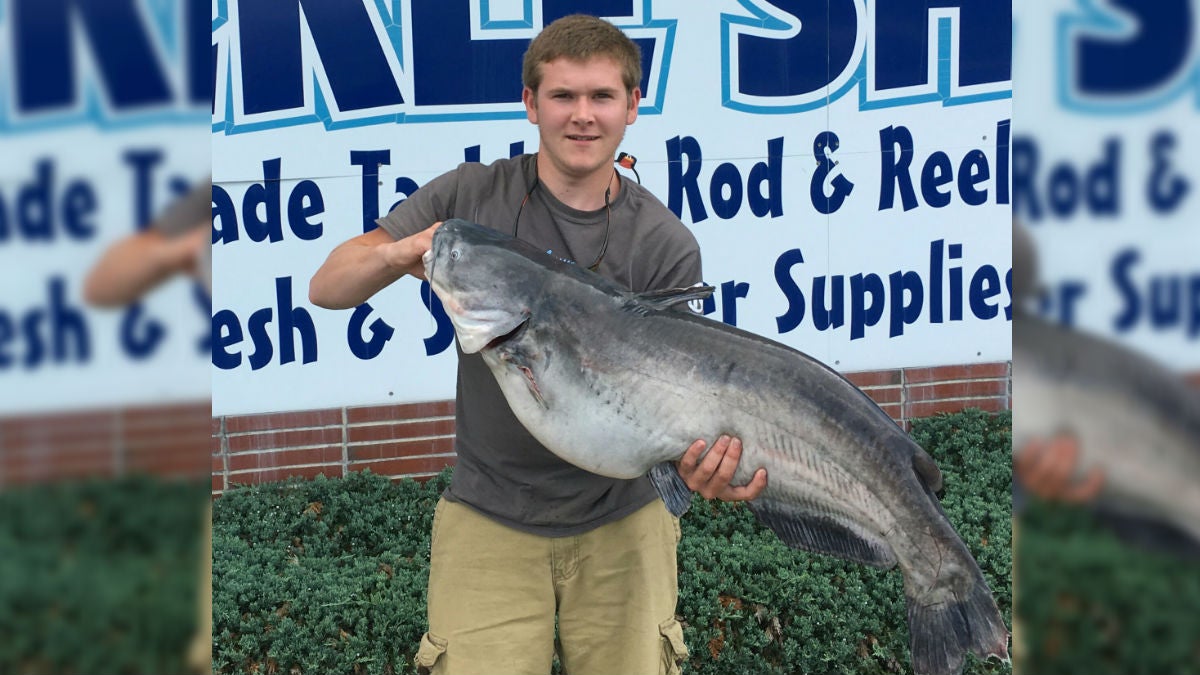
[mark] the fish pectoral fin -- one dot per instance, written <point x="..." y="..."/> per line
<point x="674" y="492"/>
<point x="667" y="298"/>
<point x="822" y="533"/>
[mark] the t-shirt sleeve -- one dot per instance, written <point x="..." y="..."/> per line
<point x="188" y="211"/>
<point x="671" y="259"/>
<point x="431" y="203"/>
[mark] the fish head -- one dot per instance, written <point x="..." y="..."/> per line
<point x="487" y="282"/>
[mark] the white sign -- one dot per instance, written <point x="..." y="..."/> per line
<point x="848" y="184"/>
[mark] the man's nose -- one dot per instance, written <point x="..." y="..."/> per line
<point x="582" y="112"/>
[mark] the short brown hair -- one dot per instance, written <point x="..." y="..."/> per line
<point x="580" y="37"/>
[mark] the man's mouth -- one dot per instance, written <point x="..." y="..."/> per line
<point x="579" y="137"/>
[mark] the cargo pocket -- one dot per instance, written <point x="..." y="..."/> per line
<point x="431" y="649"/>
<point x="674" y="651"/>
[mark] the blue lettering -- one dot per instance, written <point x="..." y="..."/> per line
<point x="908" y="297"/>
<point x="224" y="216"/>
<point x="797" y="55"/>
<point x="895" y="165"/>
<point x="257" y="327"/>
<point x="1166" y="188"/>
<point x="936" y="173"/>
<point x="902" y="51"/>
<point x="370" y="161"/>
<point x="1157" y="36"/>
<point x="293" y="319"/>
<point x="863" y="314"/>
<point x="956" y="283"/>
<point x="359" y="72"/>
<point x="56" y="333"/>
<point x="771" y="173"/>
<point x="265" y="194"/>
<point x="305" y="202"/>
<point x="143" y="163"/>
<point x="826" y="142"/>
<point x="726" y="177"/>
<point x="936" y="249"/>
<point x="680" y="180"/>
<point x="798" y="68"/>
<point x="226" y="333"/>
<point x="123" y="52"/>
<point x="443" y="50"/>
<point x="441" y="338"/>
<point x="1025" y="194"/>
<point x="725" y="189"/>
<point x="40" y="210"/>
<point x="730" y="292"/>
<point x="795" y="297"/>
<point x="140" y="334"/>
<point x="985" y="284"/>
<point x="833" y="316"/>
<point x="1173" y="299"/>
<point x="381" y="332"/>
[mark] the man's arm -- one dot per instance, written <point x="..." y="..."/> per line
<point x="362" y="266"/>
<point x="139" y="262"/>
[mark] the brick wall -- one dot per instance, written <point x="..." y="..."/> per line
<point x="167" y="440"/>
<point x="417" y="440"/>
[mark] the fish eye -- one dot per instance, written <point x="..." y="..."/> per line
<point x="455" y="254"/>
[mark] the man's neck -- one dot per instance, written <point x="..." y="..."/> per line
<point x="583" y="193"/>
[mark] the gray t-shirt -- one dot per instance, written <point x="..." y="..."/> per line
<point x="185" y="213"/>
<point x="502" y="471"/>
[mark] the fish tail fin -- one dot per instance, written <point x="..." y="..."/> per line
<point x="942" y="631"/>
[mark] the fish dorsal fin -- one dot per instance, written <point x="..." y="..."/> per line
<point x="667" y="298"/>
<point x="817" y="532"/>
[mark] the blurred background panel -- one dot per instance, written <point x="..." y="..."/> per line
<point x="105" y="422"/>
<point x="1106" y="345"/>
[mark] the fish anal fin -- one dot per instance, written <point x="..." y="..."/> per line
<point x="821" y="533"/>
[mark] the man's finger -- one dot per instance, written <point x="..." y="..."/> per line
<point x="1085" y="489"/>
<point x="692" y="456"/>
<point x="708" y="466"/>
<point x="751" y="490"/>
<point x="729" y="463"/>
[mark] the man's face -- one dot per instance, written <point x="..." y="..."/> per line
<point x="581" y="110"/>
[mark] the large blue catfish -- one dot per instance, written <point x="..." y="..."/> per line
<point x="620" y="384"/>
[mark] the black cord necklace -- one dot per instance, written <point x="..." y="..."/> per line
<point x="607" y="211"/>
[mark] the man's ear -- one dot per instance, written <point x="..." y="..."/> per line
<point x="635" y="97"/>
<point x="529" y="98"/>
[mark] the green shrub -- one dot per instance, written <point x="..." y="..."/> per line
<point x="99" y="576"/>
<point x="1089" y="603"/>
<point x="329" y="576"/>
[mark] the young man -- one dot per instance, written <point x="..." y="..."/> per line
<point x="520" y="535"/>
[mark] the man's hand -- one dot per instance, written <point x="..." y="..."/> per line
<point x="405" y="254"/>
<point x="1045" y="468"/>
<point x="710" y="476"/>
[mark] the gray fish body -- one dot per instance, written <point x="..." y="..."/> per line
<point x="1133" y="419"/>
<point x="618" y="384"/>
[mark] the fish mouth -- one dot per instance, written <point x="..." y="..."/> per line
<point x="510" y="335"/>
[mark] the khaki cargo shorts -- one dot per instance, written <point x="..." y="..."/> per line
<point x="494" y="593"/>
